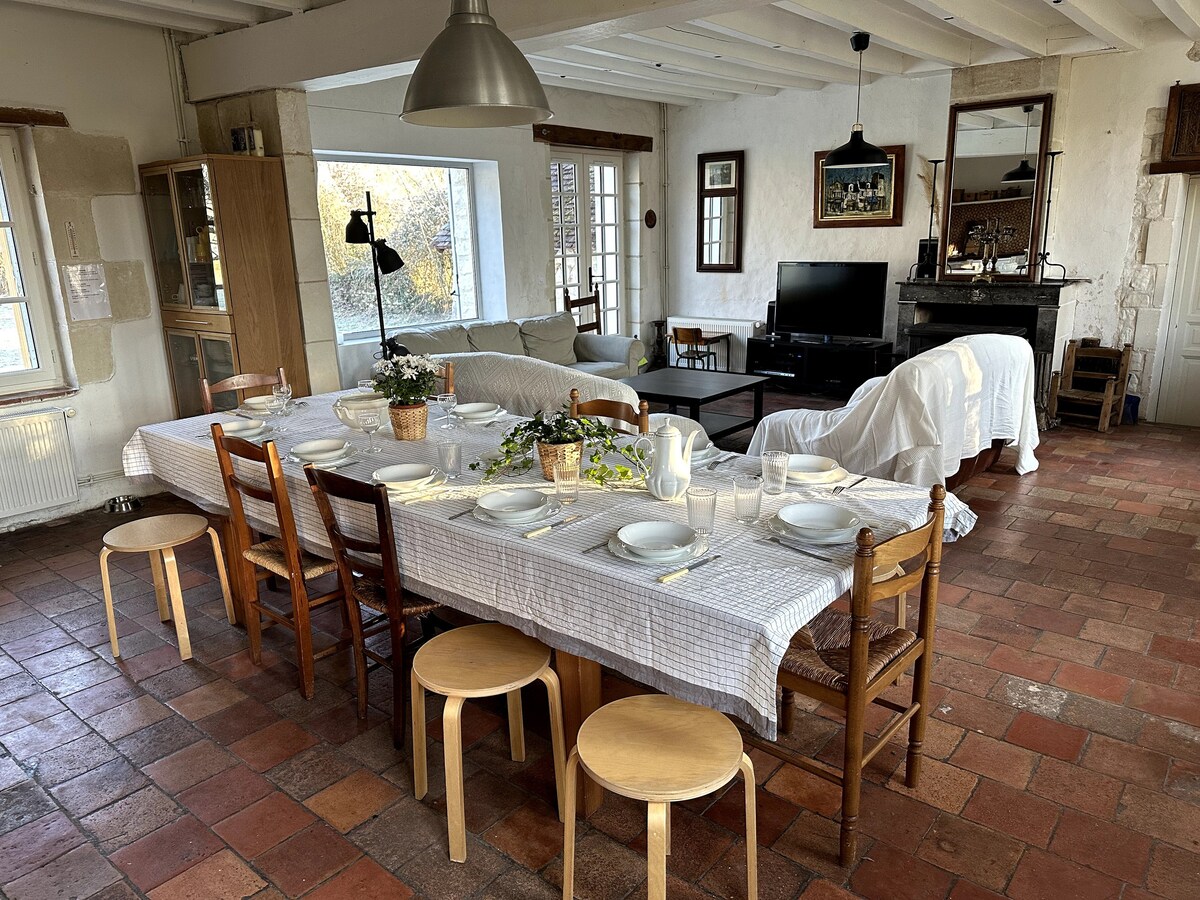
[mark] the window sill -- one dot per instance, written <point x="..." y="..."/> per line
<point x="38" y="395"/>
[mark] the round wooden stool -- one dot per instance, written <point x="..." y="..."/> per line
<point x="479" y="661"/>
<point x="660" y="750"/>
<point x="159" y="536"/>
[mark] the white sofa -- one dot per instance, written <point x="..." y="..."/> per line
<point x="919" y="423"/>
<point x="525" y="386"/>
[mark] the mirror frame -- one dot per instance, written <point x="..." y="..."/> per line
<point x="703" y="192"/>
<point x="1039" y="186"/>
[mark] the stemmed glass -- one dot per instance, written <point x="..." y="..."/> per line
<point x="447" y="402"/>
<point x="366" y="385"/>
<point x="277" y="409"/>
<point x="369" y="422"/>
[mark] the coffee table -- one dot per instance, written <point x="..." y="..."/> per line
<point x="692" y="388"/>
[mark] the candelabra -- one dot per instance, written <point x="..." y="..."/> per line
<point x="991" y="237"/>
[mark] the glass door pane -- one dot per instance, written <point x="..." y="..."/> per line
<point x="605" y="259"/>
<point x="164" y="240"/>
<point x="216" y="351"/>
<point x="197" y="218"/>
<point x="184" y="359"/>
<point x="568" y="236"/>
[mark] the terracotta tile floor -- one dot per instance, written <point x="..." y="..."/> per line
<point x="1065" y="739"/>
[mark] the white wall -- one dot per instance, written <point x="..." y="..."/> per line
<point x="110" y="78"/>
<point x="780" y="135"/>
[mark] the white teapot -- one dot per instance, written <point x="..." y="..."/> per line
<point x="670" y="472"/>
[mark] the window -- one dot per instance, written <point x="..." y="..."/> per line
<point x="28" y="352"/>
<point x="424" y="212"/>
<point x="587" y="242"/>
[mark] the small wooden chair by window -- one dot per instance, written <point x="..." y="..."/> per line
<point x="373" y="584"/>
<point x="583" y="303"/>
<point x="692" y="346"/>
<point x="239" y="384"/>
<point x="1090" y="389"/>
<point x="849" y="660"/>
<point x="612" y="409"/>
<point x="252" y="561"/>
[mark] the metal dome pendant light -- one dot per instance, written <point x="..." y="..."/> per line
<point x="473" y="76"/>
<point x="1023" y="172"/>
<point x="856" y="151"/>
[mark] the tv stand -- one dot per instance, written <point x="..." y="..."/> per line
<point x="816" y="367"/>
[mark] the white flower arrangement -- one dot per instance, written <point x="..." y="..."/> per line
<point x="406" y="380"/>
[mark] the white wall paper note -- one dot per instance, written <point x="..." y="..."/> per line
<point x="87" y="294"/>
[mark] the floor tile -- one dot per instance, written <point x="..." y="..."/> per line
<point x="225" y="793"/>
<point x="166" y="852"/>
<point x="272" y="745"/>
<point x="306" y="859"/>
<point x="353" y="800"/>
<point x="263" y="824"/>
<point x="35" y="843"/>
<point x="189" y="766"/>
<point x="83" y="869"/>
<point x="221" y="876"/>
<point x="979" y="854"/>
<point x="365" y="878"/>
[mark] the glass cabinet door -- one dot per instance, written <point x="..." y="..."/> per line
<point x="183" y="351"/>
<point x="168" y="267"/>
<point x="216" y="353"/>
<point x="197" y="218"/>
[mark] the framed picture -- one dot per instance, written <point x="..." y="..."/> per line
<point x="720" y="174"/>
<point x="859" y="197"/>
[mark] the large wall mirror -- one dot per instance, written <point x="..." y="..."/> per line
<point x="720" y="180"/>
<point x="995" y="183"/>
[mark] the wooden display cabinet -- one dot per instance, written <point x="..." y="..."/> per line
<point x="224" y="271"/>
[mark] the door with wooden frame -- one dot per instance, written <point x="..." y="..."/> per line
<point x="1179" y="398"/>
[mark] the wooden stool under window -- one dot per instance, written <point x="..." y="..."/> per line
<point x="479" y="661"/>
<point x="159" y="536"/>
<point x="661" y="750"/>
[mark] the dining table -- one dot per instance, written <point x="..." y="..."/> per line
<point x="715" y="636"/>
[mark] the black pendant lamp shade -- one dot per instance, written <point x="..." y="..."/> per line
<point x="1023" y="172"/>
<point x="856" y="151"/>
<point x="389" y="259"/>
<point x="357" y="230"/>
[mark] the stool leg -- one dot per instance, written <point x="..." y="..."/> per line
<point x="667" y="829"/>
<point x="222" y="576"/>
<point x="751" y="830"/>
<point x="456" y="821"/>
<point x="181" y="629"/>
<point x="656" y="850"/>
<point x="160" y="588"/>
<point x="516" y="726"/>
<point x="420" y="766"/>
<point x="557" y="742"/>
<point x="566" y="801"/>
<point x="901" y="608"/>
<point x="108" y="602"/>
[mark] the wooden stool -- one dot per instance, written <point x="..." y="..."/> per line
<point x="479" y="661"/>
<point x="661" y="750"/>
<point x="158" y="536"/>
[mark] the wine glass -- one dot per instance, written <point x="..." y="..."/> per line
<point x="447" y="402"/>
<point x="283" y="392"/>
<point x="366" y="385"/>
<point x="277" y="409"/>
<point x="370" y="422"/>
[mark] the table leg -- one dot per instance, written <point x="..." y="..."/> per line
<point x="694" y="411"/>
<point x="580" y="680"/>
<point x="758" y="403"/>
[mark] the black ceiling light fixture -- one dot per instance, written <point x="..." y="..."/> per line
<point x="856" y="151"/>
<point x="1023" y="172"/>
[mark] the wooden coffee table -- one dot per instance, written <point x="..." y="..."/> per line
<point x="692" y="388"/>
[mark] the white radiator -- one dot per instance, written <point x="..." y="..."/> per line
<point x="739" y="330"/>
<point x="37" y="466"/>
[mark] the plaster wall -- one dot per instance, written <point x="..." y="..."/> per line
<point x="112" y="80"/>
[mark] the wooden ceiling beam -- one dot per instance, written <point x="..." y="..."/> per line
<point x="227" y="11"/>
<point x="1184" y="15"/>
<point x="990" y="21"/>
<point x="619" y="79"/>
<point x="133" y="12"/>
<point x="595" y="87"/>
<point x="891" y="25"/>
<point x="1106" y="19"/>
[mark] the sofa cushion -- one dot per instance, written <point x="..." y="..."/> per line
<point x="496" y="337"/>
<point x="434" y="340"/>
<point x="551" y="338"/>
<point x="605" y="369"/>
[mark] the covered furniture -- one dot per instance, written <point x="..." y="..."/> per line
<point x="919" y="423"/>
<point x="1090" y="389"/>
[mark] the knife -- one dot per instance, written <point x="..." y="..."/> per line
<point x="459" y="515"/>
<point x="679" y="573"/>
<point x="782" y="543"/>
<point x="567" y="521"/>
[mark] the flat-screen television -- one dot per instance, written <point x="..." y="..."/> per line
<point x="831" y="299"/>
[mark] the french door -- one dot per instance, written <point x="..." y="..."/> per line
<point x="585" y="191"/>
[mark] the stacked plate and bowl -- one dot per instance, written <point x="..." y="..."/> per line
<point x="816" y="523"/>
<point x="804" y="468"/>
<point x="409" y="478"/>
<point x="477" y="413"/>
<point x="656" y="543"/>
<point x="518" y="506"/>
<point x="246" y="429"/>
<point x="324" y="453"/>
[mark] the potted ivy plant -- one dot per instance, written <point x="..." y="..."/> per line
<point x="407" y="381"/>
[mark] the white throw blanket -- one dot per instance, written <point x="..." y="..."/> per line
<point x="525" y="386"/>
<point x="934" y="410"/>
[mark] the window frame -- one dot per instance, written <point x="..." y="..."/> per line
<point x="390" y="159"/>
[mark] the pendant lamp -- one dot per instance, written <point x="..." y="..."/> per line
<point x="473" y="76"/>
<point x="856" y="151"/>
<point x="1023" y="172"/>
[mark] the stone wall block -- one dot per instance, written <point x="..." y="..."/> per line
<point x="92" y="349"/>
<point x="1158" y="242"/>
<point x="84" y="165"/>
<point x="1146" y="331"/>
<point x="128" y="290"/>
<point x="77" y="209"/>
<point x="300" y="179"/>
<point x="295" y="135"/>
<point x="1142" y="279"/>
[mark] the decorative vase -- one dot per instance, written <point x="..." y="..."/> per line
<point x="408" y="422"/>
<point x="551" y="455"/>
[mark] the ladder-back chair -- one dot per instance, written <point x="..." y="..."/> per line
<point x="239" y="384"/>
<point x="612" y="409"/>
<point x="575" y="307"/>
<point x="1090" y="389"/>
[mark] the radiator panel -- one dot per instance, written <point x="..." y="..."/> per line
<point x="740" y="330"/>
<point x="37" y="465"/>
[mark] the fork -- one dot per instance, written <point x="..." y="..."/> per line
<point x="845" y="487"/>
<point x="716" y="462"/>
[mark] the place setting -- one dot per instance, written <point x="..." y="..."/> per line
<point x="409" y="482"/>
<point x="324" y="453"/>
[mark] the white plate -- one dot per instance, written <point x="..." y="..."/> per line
<point x="817" y="517"/>
<point x="688" y="553"/>
<point x="781" y="529"/>
<point x="476" y="410"/>
<point x="258" y="403"/>
<point x="657" y="540"/>
<point x="435" y="482"/>
<point x="372" y="399"/>
<point x="342" y="460"/>
<point x="549" y="511"/>
<point x="516" y="505"/>
<point x="808" y="469"/>
<point x="706" y="455"/>
<point x="478" y="420"/>
<point x="246" y="429"/>
<point x="321" y="450"/>
<point x="405" y="477"/>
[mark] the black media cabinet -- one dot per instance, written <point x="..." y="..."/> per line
<point x="814" y="367"/>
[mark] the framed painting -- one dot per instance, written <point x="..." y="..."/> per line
<point x="859" y="196"/>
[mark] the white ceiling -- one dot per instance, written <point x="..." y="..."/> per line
<point x="757" y="48"/>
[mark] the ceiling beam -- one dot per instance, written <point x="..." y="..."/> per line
<point x="1106" y="19"/>
<point x="592" y="87"/>
<point x="890" y="26"/>
<point x="619" y="79"/>
<point x="991" y="21"/>
<point x="221" y="10"/>
<point x="132" y="12"/>
<point x="289" y="6"/>
<point x="1184" y="15"/>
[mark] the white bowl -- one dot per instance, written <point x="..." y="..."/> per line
<point x="405" y="477"/>
<point x="476" y="410"/>
<point x="361" y="400"/>
<point x="259" y="402"/>
<point x="819" y="519"/>
<point x="321" y="450"/>
<point x="242" y="427"/>
<point x="805" y="465"/>
<point x="513" y="505"/>
<point x="656" y="540"/>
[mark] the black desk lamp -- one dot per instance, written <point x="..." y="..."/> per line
<point x="384" y="260"/>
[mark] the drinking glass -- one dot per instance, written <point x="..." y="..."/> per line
<point x="447" y="402"/>
<point x="277" y="409"/>
<point x="283" y="392"/>
<point x="450" y="458"/>
<point x="747" y="498"/>
<point x="370" y="422"/>
<point x="702" y="509"/>
<point x="566" y="481"/>
<point x="366" y="385"/>
<point x="774" y="471"/>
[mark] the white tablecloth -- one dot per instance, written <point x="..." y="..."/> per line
<point x="715" y="636"/>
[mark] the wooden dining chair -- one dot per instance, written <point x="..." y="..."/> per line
<point x="252" y="561"/>
<point x="849" y="660"/>
<point x="370" y="572"/>
<point x="614" y="410"/>
<point x="694" y="347"/>
<point x="239" y="384"/>
<point x="575" y="307"/>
